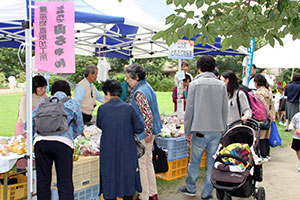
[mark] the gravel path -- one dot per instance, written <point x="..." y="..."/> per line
<point x="281" y="178"/>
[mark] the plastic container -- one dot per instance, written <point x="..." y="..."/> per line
<point x="203" y="159"/>
<point x="15" y="191"/>
<point x="177" y="169"/>
<point x="85" y="173"/>
<point x="177" y="148"/>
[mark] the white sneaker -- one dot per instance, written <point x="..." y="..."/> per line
<point x="284" y="124"/>
<point x="265" y="160"/>
<point x="280" y="123"/>
<point x="268" y="157"/>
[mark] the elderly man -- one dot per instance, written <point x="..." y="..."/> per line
<point x="86" y="93"/>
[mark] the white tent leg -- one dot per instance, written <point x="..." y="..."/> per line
<point x="28" y="45"/>
<point x="292" y="73"/>
<point x="180" y="105"/>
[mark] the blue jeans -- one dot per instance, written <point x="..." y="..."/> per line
<point x="210" y="142"/>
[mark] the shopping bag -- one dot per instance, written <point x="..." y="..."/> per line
<point x="274" y="139"/>
<point x="159" y="159"/>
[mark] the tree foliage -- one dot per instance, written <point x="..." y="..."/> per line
<point x="9" y="62"/>
<point x="238" y="21"/>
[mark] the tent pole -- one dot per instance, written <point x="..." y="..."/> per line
<point x="293" y="69"/>
<point x="28" y="44"/>
<point x="179" y="100"/>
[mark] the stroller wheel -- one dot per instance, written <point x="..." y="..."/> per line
<point x="261" y="194"/>
<point x="221" y="195"/>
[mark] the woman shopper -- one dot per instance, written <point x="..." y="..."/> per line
<point x="57" y="148"/>
<point x="39" y="85"/>
<point x="292" y="91"/>
<point x="238" y="105"/>
<point x="263" y="93"/>
<point x="145" y="103"/>
<point x="119" y="121"/>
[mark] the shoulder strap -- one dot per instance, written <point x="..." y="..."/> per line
<point x="238" y="102"/>
<point x="65" y="99"/>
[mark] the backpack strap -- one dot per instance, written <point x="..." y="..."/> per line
<point x="238" y="102"/>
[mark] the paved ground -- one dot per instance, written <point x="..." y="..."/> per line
<point x="281" y="178"/>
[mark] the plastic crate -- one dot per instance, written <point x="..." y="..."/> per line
<point x="177" y="169"/>
<point x="203" y="159"/>
<point x="85" y="173"/>
<point x="90" y="193"/>
<point x="177" y="148"/>
<point x="15" y="191"/>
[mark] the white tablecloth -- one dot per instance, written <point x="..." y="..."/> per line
<point x="7" y="162"/>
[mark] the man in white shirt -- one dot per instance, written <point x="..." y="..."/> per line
<point x="86" y="93"/>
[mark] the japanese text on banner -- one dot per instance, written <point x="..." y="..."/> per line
<point x="54" y="30"/>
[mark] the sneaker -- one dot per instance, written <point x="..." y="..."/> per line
<point x="153" y="197"/>
<point x="284" y="124"/>
<point x="207" y="198"/>
<point x="183" y="190"/>
<point x="280" y="123"/>
<point x="265" y="160"/>
<point x="269" y="158"/>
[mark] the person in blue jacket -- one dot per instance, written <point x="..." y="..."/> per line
<point x="119" y="168"/>
<point x="145" y="103"/>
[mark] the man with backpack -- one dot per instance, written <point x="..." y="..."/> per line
<point x="57" y="122"/>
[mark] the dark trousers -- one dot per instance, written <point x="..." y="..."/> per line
<point x="86" y="118"/>
<point x="124" y="198"/>
<point x="264" y="148"/>
<point x="45" y="153"/>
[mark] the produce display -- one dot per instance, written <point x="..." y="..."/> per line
<point x="170" y="128"/>
<point x="88" y="143"/>
<point x="16" y="145"/>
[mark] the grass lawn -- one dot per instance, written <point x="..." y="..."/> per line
<point x="8" y="113"/>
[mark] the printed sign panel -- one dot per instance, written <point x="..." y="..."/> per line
<point x="54" y="32"/>
<point x="183" y="49"/>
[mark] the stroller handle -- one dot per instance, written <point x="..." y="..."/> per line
<point x="250" y="122"/>
<point x="220" y="156"/>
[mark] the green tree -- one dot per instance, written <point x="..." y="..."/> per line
<point x="238" y="21"/>
<point x="10" y="62"/>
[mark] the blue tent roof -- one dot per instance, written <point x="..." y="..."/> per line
<point x="114" y="37"/>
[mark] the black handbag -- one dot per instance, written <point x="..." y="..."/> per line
<point x="140" y="148"/>
<point x="159" y="159"/>
<point x="265" y="125"/>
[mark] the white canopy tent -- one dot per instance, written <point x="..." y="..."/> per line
<point x="286" y="56"/>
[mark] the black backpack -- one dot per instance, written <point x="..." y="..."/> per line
<point x="159" y="159"/>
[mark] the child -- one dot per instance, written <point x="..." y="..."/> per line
<point x="295" y="124"/>
<point x="185" y="84"/>
<point x="280" y="105"/>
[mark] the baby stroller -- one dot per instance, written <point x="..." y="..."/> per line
<point x="236" y="174"/>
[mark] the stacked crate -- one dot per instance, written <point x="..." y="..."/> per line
<point x="203" y="159"/>
<point x="177" y="150"/>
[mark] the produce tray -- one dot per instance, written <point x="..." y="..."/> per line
<point x="85" y="173"/>
<point x="177" y="169"/>
<point x="176" y="148"/>
<point x="203" y="159"/>
<point x="15" y="191"/>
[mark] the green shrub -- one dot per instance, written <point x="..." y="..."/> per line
<point x="161" y="83"/>
<point x="120" y="77"/>
<point x="2" y="79"/>
<point x="21" y="77"/>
